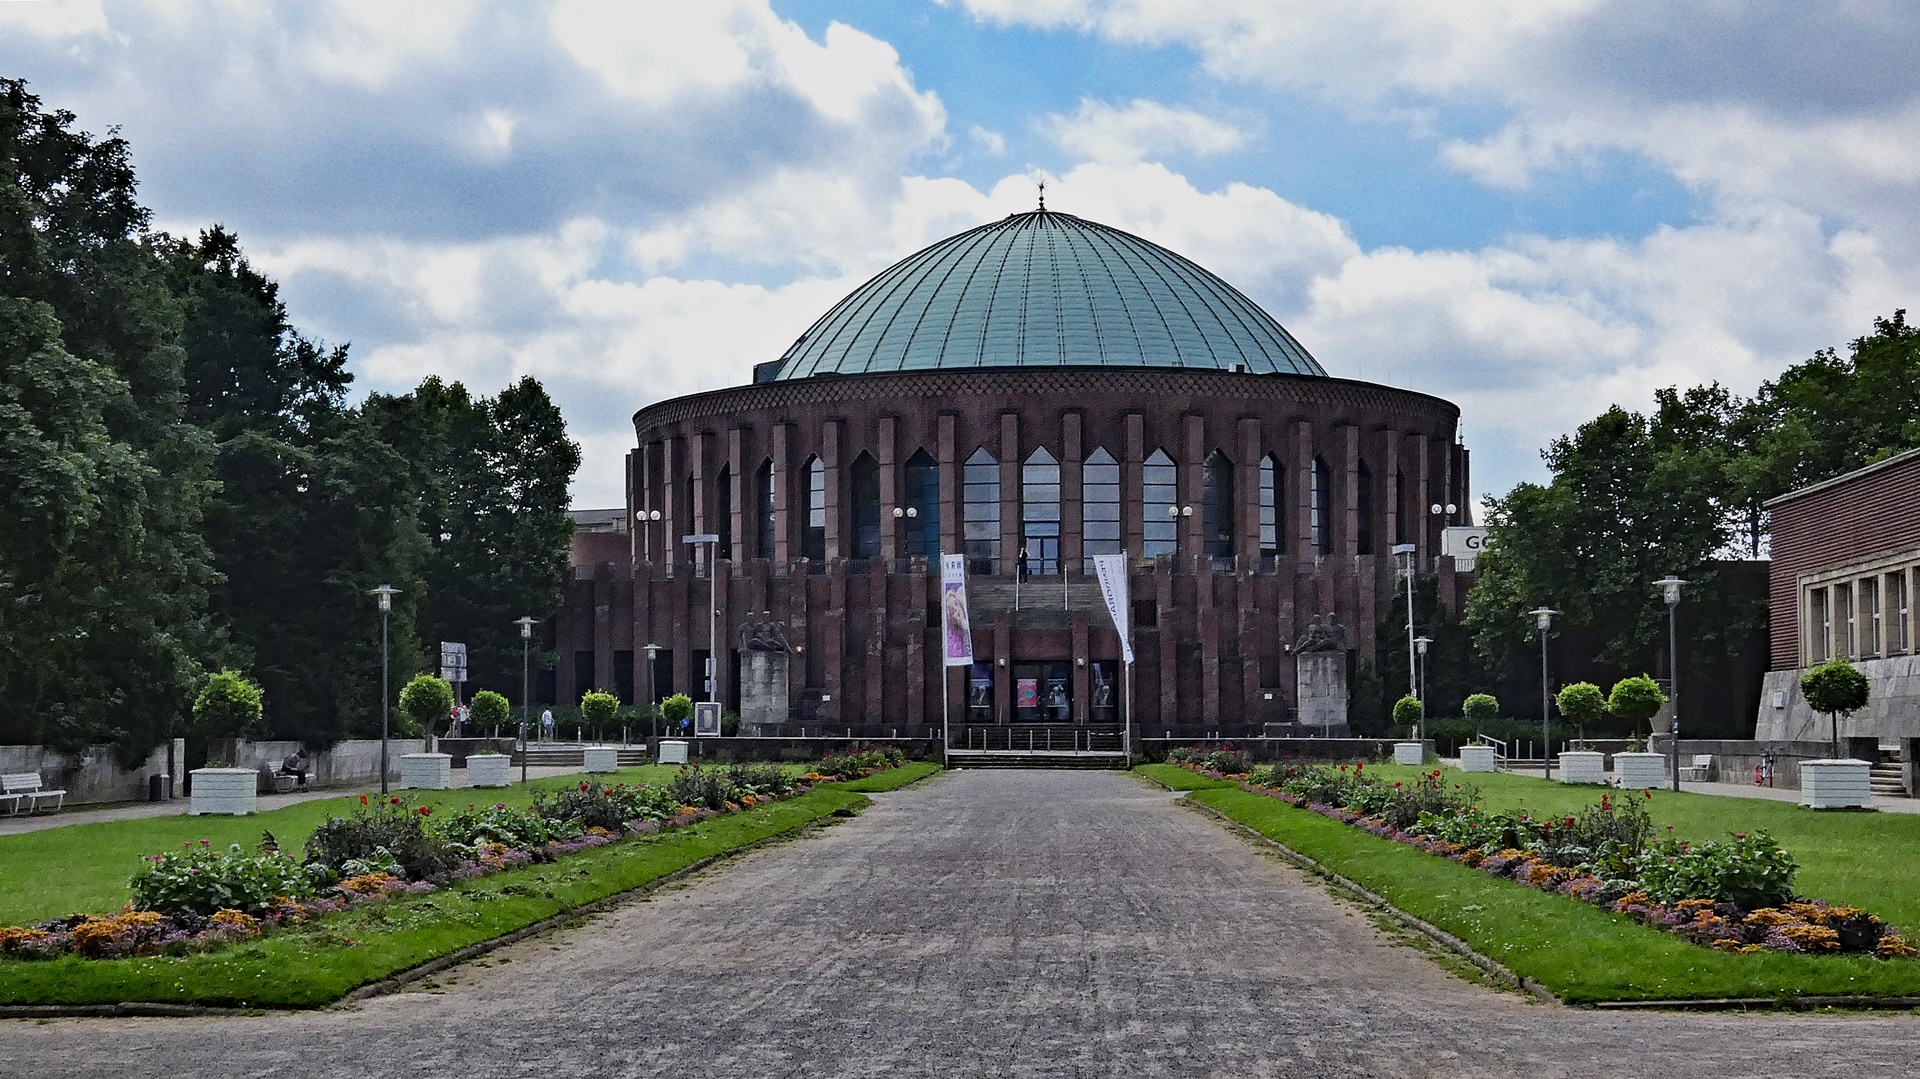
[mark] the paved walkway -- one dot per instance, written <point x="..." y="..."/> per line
<point x="982" y="924"/>
<point x="14" y="825"/>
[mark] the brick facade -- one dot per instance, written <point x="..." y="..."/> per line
<point x="865" y="615"/>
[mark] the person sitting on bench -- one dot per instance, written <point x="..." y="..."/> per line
<point x="296" y="766"/>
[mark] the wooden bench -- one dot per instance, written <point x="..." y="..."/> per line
<point x="1700" y="769"/>
<point x="27" y="793"/>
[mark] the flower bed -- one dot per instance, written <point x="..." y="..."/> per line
<point x="1733" y="895"/>
<point x="201" y="897"/>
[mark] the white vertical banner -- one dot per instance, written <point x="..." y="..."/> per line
<point x="1112" y="571"/>
<point x="956" y="629"/>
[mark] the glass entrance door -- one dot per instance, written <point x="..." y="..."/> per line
<point x="1043" y="692"/>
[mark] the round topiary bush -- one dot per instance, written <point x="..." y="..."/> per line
<point x="676" y="708"/>
<point x="1481" y="708"/>
<point x="1835" y="687"/>
<point x="1636" y="700"/>
<point x="598" y="707"/>
<point x="1406" y="712"/>
<point x="1581" y="702"/>
<point x="488" y="710"/>
<point x="427" y="700"/>
<point x="229" y="706"/>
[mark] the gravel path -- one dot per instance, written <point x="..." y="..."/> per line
<point x="982" y="924"/>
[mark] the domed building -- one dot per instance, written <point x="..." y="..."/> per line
<point x="1031" y="392"/>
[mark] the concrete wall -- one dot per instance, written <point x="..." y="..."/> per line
<point x="1892" y="712"/>
<point x="800" y="750"/>
<point x="1735" y="759"/>
<point x="93" y="776"/>
<point x="1277" y="749"/>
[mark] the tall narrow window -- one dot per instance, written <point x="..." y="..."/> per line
<point x="1160" y="505"/>
<point x="923" y="508"/>
<point x="1843" y="640"/>
<point x="1819" y="626"/>
<point x="1403" y="512"/>
<point x="1216" y="503"/>
<point x="1899" y="631"/>
<point x="723" y="509"/>
<point x="1869" y="589"/>
<point x="1272" y="497"/>
<point x="813" y="545"/>
<point x="1040" y="511"/>
<point x="1363" y="511"/>
<point x="1322" y="508"/>
<point x="866" y="507"/>
<point x="980" y="512"/>
<point x="1100" y="504"/>
<point x="763" y="508"/>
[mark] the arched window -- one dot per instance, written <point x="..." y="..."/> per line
<point x="1040" y="511"/>
<point x="923" y="508"/>
<point x="1403" y="510"/>
<point x="1216" y="504"/>
<point x="763" y="508"/>
<point x="1320" y="496"/>
<point x="1273" y="538"/>
<point x="723" y="509"/>
<point x="866" y="507"/>
<point x="980" y="512"/>
<point x="1160" y="500"/>
<point x="813" y="544"/>
<point x="1100" y="504"/>
<point x="1363" y="512"/>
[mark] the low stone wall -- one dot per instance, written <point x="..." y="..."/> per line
<point x="1734" y="760"/>
<point x="1277" y="749"/>
<point x="1892" y="712"/>
<point x="461" y="748"/>
<point x="93" y="776"/>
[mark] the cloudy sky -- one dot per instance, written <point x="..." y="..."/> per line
<point x="1531" y="207"/>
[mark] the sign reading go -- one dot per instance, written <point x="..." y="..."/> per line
<point x="1464" y="543"/>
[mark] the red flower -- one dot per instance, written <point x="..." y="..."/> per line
<point x="393" y="801"/>
<point x="583" y="787"/>
<point x="1569" y="822"/>
<point x="424" y="811"/>
<point x="363" y="799"/>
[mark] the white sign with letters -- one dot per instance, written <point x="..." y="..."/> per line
<point x="1464" y="543"/>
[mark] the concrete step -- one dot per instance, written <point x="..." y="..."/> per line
<point x="982" y="758"/>
<point x="573" y="756"/>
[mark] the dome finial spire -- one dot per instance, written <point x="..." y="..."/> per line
<point x="1043" y="194"/>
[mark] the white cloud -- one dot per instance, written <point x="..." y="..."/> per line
<point x="994" y="143"/>
<point x="1138" y="130"/>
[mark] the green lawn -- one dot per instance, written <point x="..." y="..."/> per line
<point x="311" y="967"/>
<point x="1584" y="954"/>
<point x="892" y="778"/>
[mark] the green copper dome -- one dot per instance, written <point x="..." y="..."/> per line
<point x="1043" y="289"/>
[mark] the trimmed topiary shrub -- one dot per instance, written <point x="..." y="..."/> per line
<point x="597" y="707"/>
<point x="427" y="701"/>
<point x="229" y="706"/>
<point x="1406" y="712"/>
<point x="489" y="710"/>
<point x="1581" y="702"/>
<point x="1481" y="708"/>
<point x="1636" y="700"/>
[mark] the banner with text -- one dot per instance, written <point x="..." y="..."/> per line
<point x="1112" y="571"/>
<point x="956" y="633"/>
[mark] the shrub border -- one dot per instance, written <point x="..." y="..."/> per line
<point x="428" y="967"/>
<point x="1783" y="1002"/>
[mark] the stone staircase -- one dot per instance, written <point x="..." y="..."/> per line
<point x="569" y="755"/>
<point x="1039" y="596"/>
<point x="1036" y="745"/>
<point x="1889" y="779"/>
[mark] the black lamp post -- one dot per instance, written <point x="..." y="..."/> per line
<point x="653" y="692"/>
<point x="526" y="624"/>
<point x="1670" y="587"/>
<point x="1543" y="621"/>
<point x="386" y="592"/>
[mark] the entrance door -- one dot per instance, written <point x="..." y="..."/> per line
<point x="1042" y="692"/>
<point x="1105" y="688"/>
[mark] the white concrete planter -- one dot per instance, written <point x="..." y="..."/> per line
<point x="1640" y="771"/>
<point x="490" y="770"/>
<point x="1479" y="759"/>
<point x="673" y="751"/>
<point x="225" y="790"/>
<point x="1825" y="784"/>
<point x="1409" y="753"/>
<point x="1582" y="766"/>
<point x="426" y="771"/>
<point x="601" y="758"/>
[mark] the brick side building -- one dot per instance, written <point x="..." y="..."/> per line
<point x="1030" y="393"/>
<point x="1846" y="566"/>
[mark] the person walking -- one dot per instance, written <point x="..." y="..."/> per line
<point x="546" y="725"/>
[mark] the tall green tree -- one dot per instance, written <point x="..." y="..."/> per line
<point x="131" y="591"/>
<point x="494" y="476"/>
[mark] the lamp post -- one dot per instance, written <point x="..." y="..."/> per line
<point x="1420" y="646"/>
<point x="647" y="517"/>
<point x="1413" y="685"/>
<point x="1670" y="588"/>
<point x="711" y="542"/>
<point x="526" y="624"/>
<point x="653" y="692"/>
<point x="1543" y="621"/>
<point x="386" y="592"/>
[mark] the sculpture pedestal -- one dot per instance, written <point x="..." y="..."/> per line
<point x="1322" y="681"/>
<point x="763" y="692"/>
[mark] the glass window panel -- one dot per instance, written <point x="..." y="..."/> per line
<point x="1819" y="626"/>
<point x="1843" y="621"/>
<point x="764" y="508"/>
<point x="866" y="507"/>
<point x="1271" y="499"/>
<point x="1100" y="503"/>
<point x="1159" y="497"/>
<point x="813" y="545"/>
<point x="1320" y="498"/>
<point x="1870" y="616"/>
<point x="980" y="512"/>
<point x="1899" y="629"/>
<point x="1216" y="497"/>
<point x="1040" y="513"/>
<point x="923" y="505"/>
<point x="1363" y="511"/>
